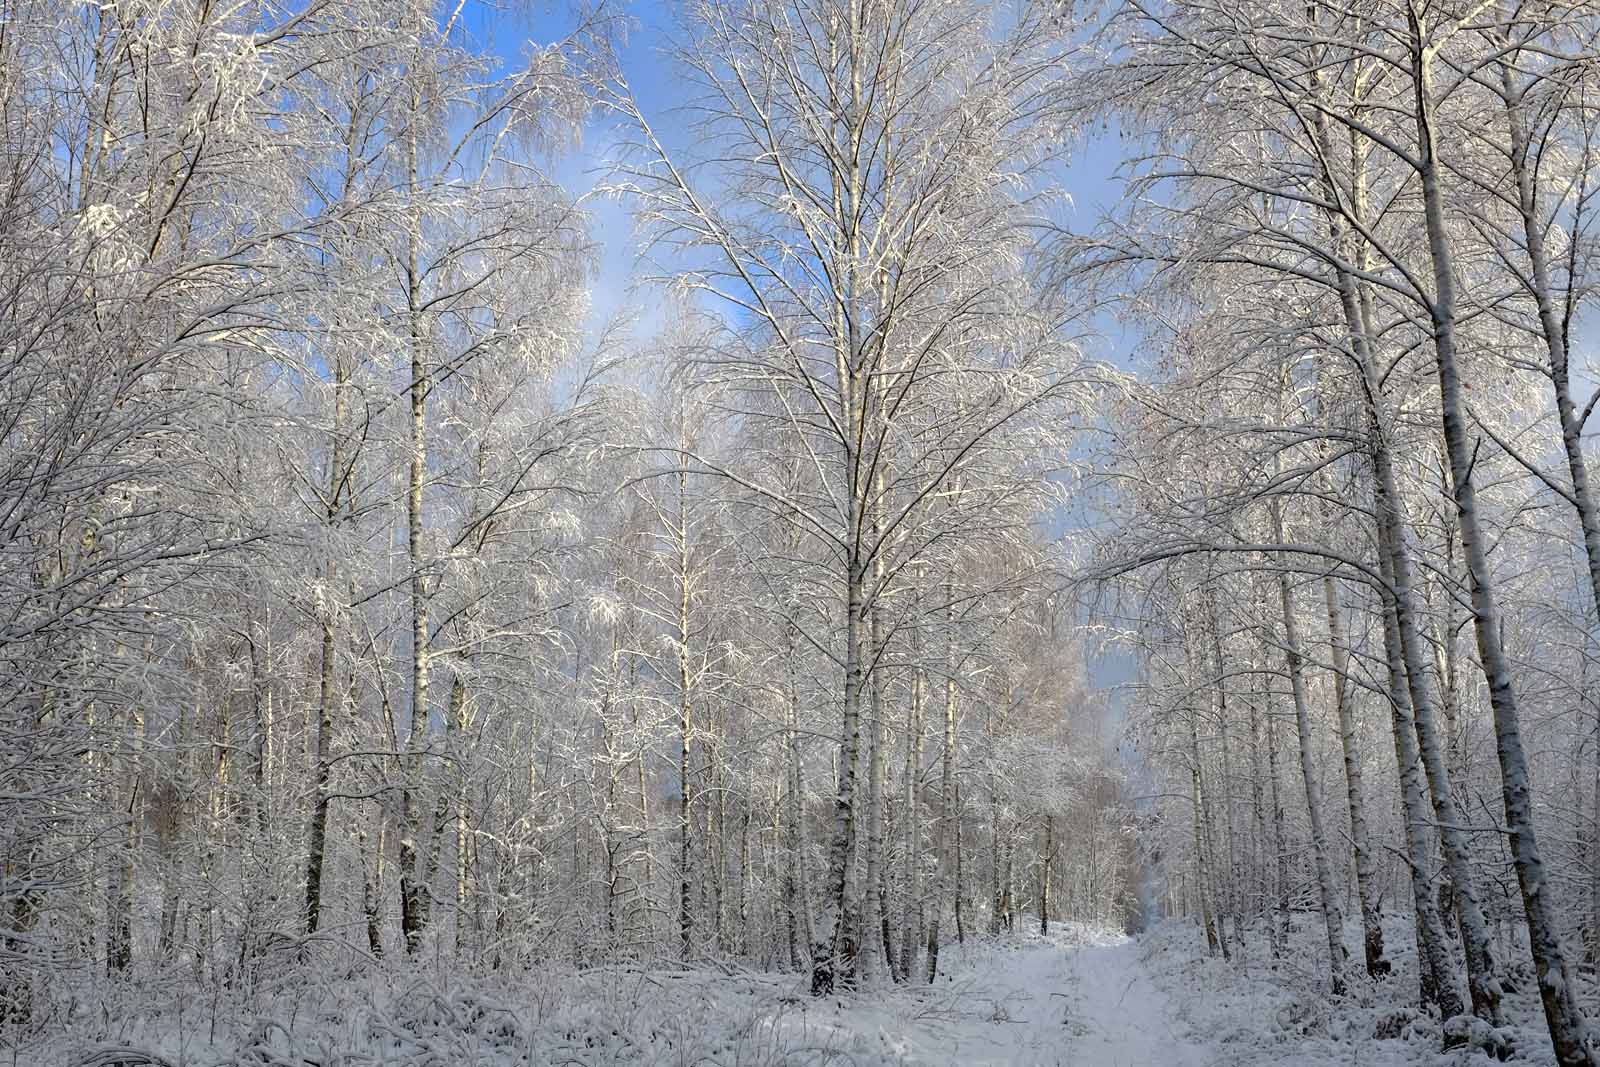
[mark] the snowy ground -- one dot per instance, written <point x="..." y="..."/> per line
<point x="1070" y="1000"/>
<point x="1080" y="998"/>
<point x="1262" y="1012"/>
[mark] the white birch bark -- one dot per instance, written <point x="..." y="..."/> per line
<point x="1438" y="976"/>
<point x="949" y="871"/>
<point x="415" y="900"/>
<point x="1360" y="837"/>
<point x="1395" y="559"/>
<point x="1568" y="1028"/>
<point x="910" y="920"/>
<point x="1332" y="911"/>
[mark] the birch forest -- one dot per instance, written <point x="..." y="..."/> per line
<point x="806" y="532"/>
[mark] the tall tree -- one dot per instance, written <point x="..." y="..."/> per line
<point x="877" y="256"/>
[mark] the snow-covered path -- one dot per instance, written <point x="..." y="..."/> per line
<point x="1117" y="1017"/>
<point x="1056" y="1005"/>
<point x="1083" y="997"/>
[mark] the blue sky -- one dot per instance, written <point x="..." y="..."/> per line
<point x="507" y="30"/>
<point x="1088" y="174"/>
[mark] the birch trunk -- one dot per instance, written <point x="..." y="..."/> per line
<point x="1360" y="839"/>
<point x="1258" y="818"/>
<point x="873" y="923"/>
<point x="1201" y="817"/>
<point x="1594" y="866"/>
<point x="1010" y="895"/>
<point x="961" y="881"/>
<point x="414" y="898"/>
<point x="1046" y="861"/>
<point x="318" y="834"/>
<point x="949" y="888"/>
<point x="996" y="897"/>
<point x="1551" y="325"/>
<point x="686" y="725"/>
<point x="119" y="884"/>
<point x="1229" y="907"/>
<point x="717" y="845"/>
<point x="372" y="892"/>
<point x="1568" y="1028"/>
<point x="799" y="900"/>
<point x="1438" y="976"/>
<point x="1360" y="316"/>
<point x="1280" y="837"/>
<point x="460" y="723"/>
<point x="1332" y="912"/>
<point x="1594" y="861"/>
<point x="1482" y="970"/>
<point x="834" y="959"/>
<point x="743" y="912"/>
<point x="910" y="939"/>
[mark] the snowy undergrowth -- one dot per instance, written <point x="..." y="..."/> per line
<point x="1080" y="998"/>
<point x="417" y="1019"/>
<point x="333" y="1014"/>
<point x="1261" y="1011"/>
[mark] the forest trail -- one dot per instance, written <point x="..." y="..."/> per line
<point x="1057" y="1005"/>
